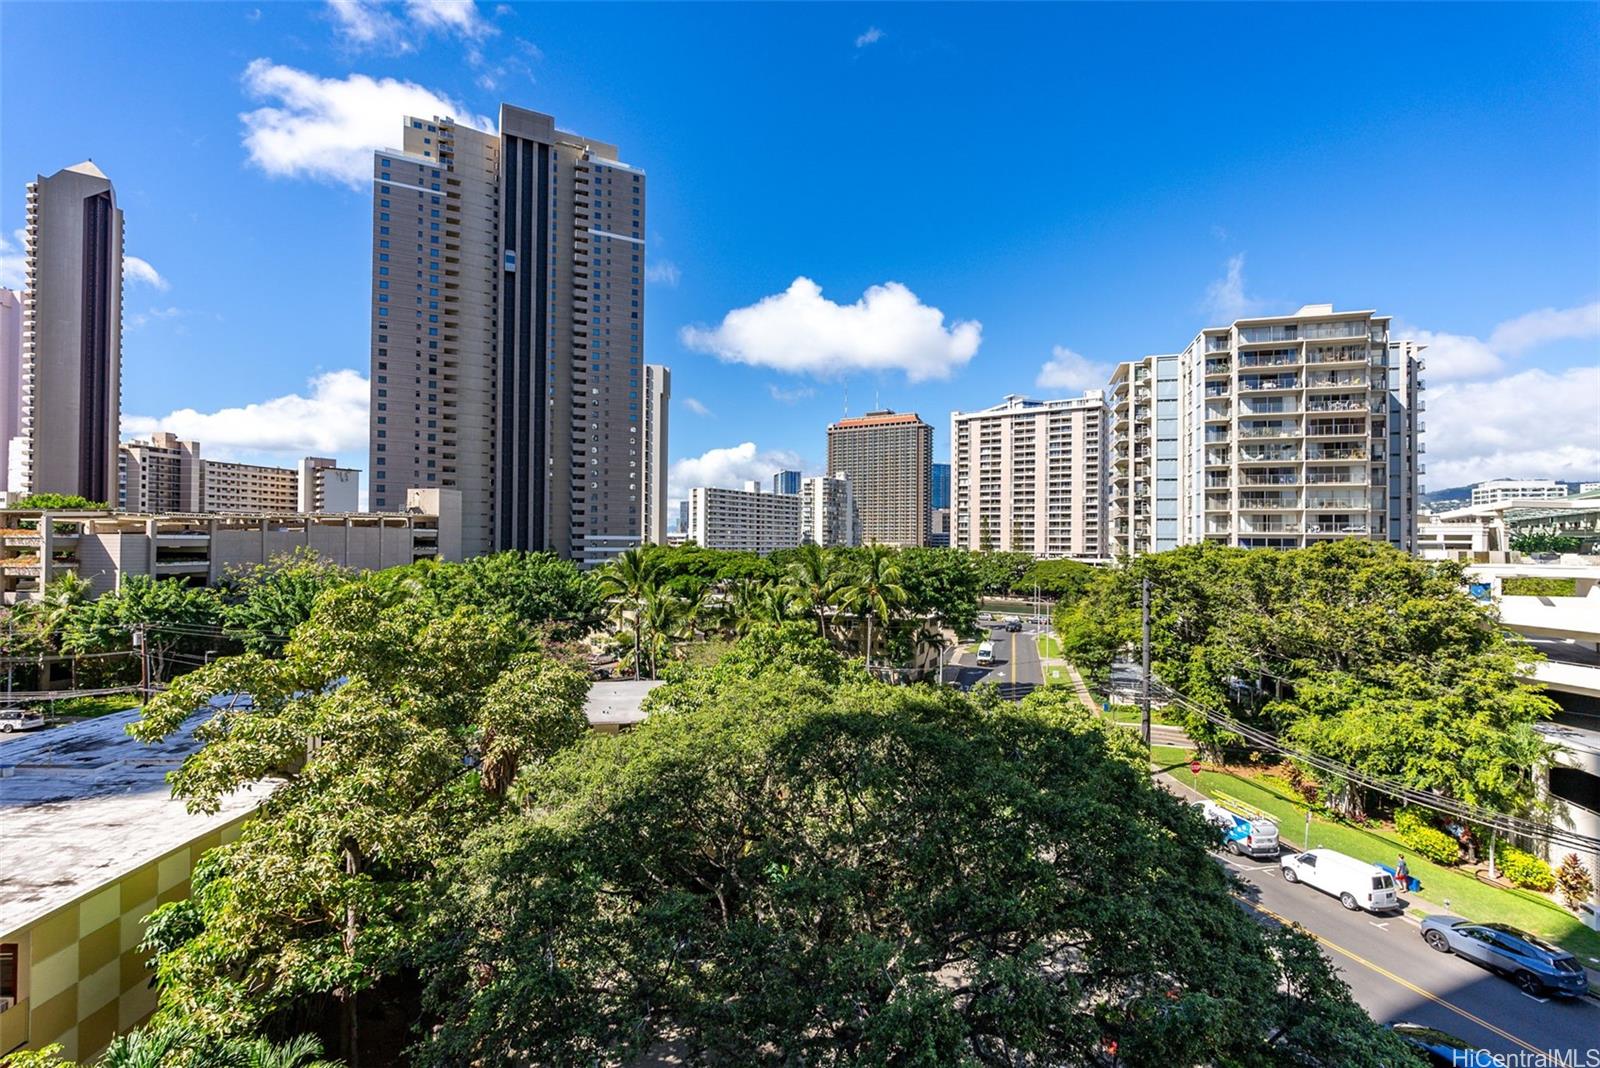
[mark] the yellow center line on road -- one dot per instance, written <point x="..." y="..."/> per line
<point x="1413" y="987"/>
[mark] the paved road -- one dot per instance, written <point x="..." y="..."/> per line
<point x="1017" y="670"/>
<point x="1395" y="976"/>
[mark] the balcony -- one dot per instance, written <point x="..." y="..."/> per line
<point x="1218" y="367"/>
<point x="1267" y="385"/>
<point x="1337" y="380"/>
<point x="1269" y="504"/>
<point x="1270" y="479"/>
<point x="1335" y="429"/>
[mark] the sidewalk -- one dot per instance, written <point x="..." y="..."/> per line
<point x="1160" y="733"/>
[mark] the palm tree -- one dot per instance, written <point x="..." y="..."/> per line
<point x="61" y="597"/>
<point x="875" y="591"/>
<point x="814" y="578"/>
<point x="628" y="582"/>
<point x="665" y="616"/>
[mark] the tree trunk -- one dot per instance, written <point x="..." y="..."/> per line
<point x="869" y="641"/>
<point x="638" y="651"/>
<point x="350" y="1040"/>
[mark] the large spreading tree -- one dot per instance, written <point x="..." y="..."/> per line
<point x="780" y="868"/>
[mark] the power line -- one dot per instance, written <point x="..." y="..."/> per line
<point x="1500" y="822"/>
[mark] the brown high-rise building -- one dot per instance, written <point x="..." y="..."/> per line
<point x="71" y="337"/>
<point x="888" y="458"/>
<point x="507" y="333"/>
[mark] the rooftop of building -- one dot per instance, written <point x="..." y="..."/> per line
<point x="84" y="804"/>
<point x="886" y="417"/>
<point x="1015" y="402"/>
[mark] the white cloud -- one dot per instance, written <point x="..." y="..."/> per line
<point x="1541" y="327"/>
<point x="790" y="396"/>
<point x="872" y="36"/>
<point x="1452" y="357"/>
<point x="663" y="271"/>
<point x="802" y="332"/>
<point x="136" y="270"/>
<point x="330" y="420"/>
<point x="139" y="319"/>
<point x="13" y="259"/>
<point x="395" y="27"/>
<point x="1225" y="296"/>
<point x="729" y="468"/>
<point x="1532" y="424"/>
<point x="328" y="128"/>
<point x="696" y="407"/>
<point x="1069" y="370"/>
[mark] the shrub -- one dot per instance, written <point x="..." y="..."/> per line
<point x="1524" y="869"/>
<point x="1575" y="882"/>
<point x="1424" y="839"/>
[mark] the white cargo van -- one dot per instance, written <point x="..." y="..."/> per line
<point x="986" y="654"/>
<point x="1357" y="884"/>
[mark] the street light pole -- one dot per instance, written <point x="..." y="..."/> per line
<point x="1144" y="611"/>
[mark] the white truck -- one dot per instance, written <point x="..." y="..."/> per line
<point x="1246" y="831"/>
<point x="986" y="654"/>
<point x="1357" y="884"/>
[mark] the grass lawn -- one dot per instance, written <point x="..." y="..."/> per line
<point x="1131" y="714"/>
<point x="88" y="707"/>
<point x="1049" y="645"/>
<point x="1465" y="895"/>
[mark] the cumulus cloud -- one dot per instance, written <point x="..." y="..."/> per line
<point x="790" y="396"/>
<point x="13" y="259"/>
<point x="1532" y="424"/>
<point x="328" y="128"/>
<point x="730" y="468"/>
<point x="1066" y="369"/>
<point x="136" y="270"/>
<point x="1544" y="326"/>
<point x="395" y="27"/>
<point x="663" y="271"/>
<point x="696" y="407"/>
<point x="1226" y="299"/>
<point x="139" y="319"/>
<point x="872" y="35"/>
<point x="802" y="332"/>
<point x="329" y="419"/>
<point x="1453" y="357"/>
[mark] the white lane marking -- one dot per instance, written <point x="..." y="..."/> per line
<point x="1530" y="997"/>
<point x="1375" y="923"/>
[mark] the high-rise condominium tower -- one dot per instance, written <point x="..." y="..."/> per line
<point x="657" y="395"/>
<point x="507" y="341"/>
<point x="10" y="377"/>
<point x="1029" y="476"/>
<point x="1273" y="432"/>
<point x="160" y="474"/>
<point x="72" y="337"/>
<point x="886" y="457"/>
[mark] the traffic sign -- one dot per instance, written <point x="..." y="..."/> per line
<point x="1194" y="767"/>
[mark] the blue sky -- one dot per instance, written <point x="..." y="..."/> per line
<point x="1015" y="196"/>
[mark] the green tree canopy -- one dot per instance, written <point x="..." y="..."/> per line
<point x="1351" y="649"/>
<point x="774" y="869"/>
<point x="61" y="502"/>
<point x="264" y="603"/>
<point x="387" y="730"/>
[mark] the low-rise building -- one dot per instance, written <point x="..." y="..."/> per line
<point x="745" y="520"/>
<point x="104" y="548"/>
<point x="1518" y="489"/>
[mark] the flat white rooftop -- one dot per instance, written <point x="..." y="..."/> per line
<point x="83" y="805"/>
<point x="614" y="703"/>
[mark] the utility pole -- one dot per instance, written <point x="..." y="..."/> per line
<point x="1144" y="612"/>
<point x="143" y="646"/>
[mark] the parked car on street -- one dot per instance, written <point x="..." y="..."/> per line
<point x="1244" y="833"/>
<point x="19" y="719"/>
<point x="1357" y="884"/>
<point x="1536" y="966"/>
<point x="1013" y="623"/>
<point x="1442" y="1049"/>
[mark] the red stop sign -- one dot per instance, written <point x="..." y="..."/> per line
<point x="1194" y="767"/>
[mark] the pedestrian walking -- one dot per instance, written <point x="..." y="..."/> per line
<point x="1401" y="875"/>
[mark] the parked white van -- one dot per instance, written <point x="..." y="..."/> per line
<point x="1357" y="884"/>
<point x="986" y="654"/>
<point x="1245" y="830"/>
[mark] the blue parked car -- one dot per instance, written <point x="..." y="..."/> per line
<point x="1533" y="964"/>
<point x="1442" y="1049"/>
